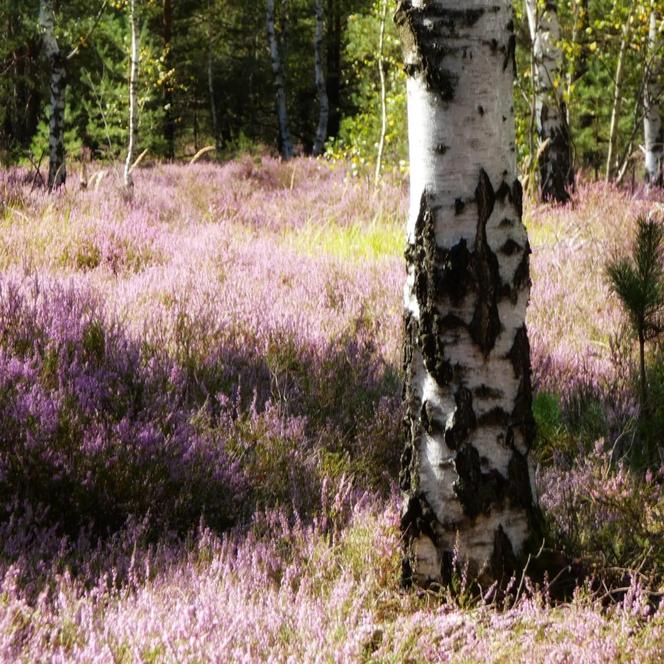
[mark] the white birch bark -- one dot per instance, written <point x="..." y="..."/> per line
<point x="57" y="172"/>
<point x="133" y="96"/>
<point x="323" y="102"/>
<point x="383" y="93"/>
<point x="468" y="422"/>
<point x="617" y="98"/>
<point x="652" y="121"/>
<point x="285" y="143"/>
<point x="555" y="160"/>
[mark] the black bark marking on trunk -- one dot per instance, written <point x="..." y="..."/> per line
<point x="486" y="392"/>
<point x="459" y="206"/>
<point x="510" y="54"/>
<point x="431" y="423"/>
<point x="556" y="161"/>
<point x="477" y="491"/>
<point x="411" y="427"/>
<point x="496" y="417"/>
<point x="517" y="197"/>
<point x="522" y="416"/>
<point x="522" y="272"/>
<point x="463" y="420"/>
<point x="417" y="519"/>
<point x="518" y="478"/>
<point x="510" y="247"/>
<point x="423" y="32"/>
<point x="485" y="325"/>
<point x="441" y="148"/>
<point x="503" y="560"/>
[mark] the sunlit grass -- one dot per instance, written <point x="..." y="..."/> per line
<point x="354" y="243"/>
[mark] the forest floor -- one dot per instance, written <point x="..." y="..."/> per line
<point x="200" y="407"/>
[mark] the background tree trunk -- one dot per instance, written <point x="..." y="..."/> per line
<point x="57" y="171"/>
<point x="334" y="34"/>
<point x="617" y="99"/>
<point x="652" y="121"/>
<point x="169" y="110"/>
<point x="324" y="113"/>
<point x="383" y="93"/>
<point x="285" y="144"/>
<point x="555" y="159"/>
<point x="468" y="422"/>
<point x="133" y="94"/>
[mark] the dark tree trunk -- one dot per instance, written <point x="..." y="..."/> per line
<point x="169" y="110"/>
<point x="57" y="172"/>
<point x="334" y="35"/>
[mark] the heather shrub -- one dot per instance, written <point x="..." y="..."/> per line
<point x="606" y="514"/>
<point x="93" y="428"/>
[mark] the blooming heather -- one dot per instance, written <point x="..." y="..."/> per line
<point x="200" y="407"/>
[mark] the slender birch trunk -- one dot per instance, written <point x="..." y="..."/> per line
<point x="383" y="93"/>
<point x="555" y="159"/>
<point x="285" y="144"/>
<point x="617" y="98"/>
<point x="133" y="94"/>
<point x="57" y="171"/>
<point x="652" y="121"/>
<point x="467" y="392"/>
<point x="213" y="103"/>
<point x="579" y="60"/>
<point x="324" y="104"/>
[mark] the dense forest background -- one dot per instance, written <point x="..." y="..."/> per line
<point x="206" y="78"/>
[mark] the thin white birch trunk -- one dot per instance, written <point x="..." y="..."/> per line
<point x="555" y="152"/>
<point x="323" y="102"/>
<point x="285" y="144"/>
<point x="617" y="98"/>
<point x="383" y="93"/>
<point x="133" y="94"/>
<point x="468" y="423"/>
<point x="652" y="121"/>
<point x="57" y="172"/>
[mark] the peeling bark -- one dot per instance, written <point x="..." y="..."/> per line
<point x="285" y="144"/>
<point x="652" y="121"/>
<point x="468" y="424"/>
<point x="133" y="96"/>
<point x="555" y="160"/>
<point x="323" y="102"/>
<point x="57" y="171"/>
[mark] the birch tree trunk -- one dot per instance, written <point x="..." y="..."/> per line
<point x="133" y="93"/>
<point x="468" y="424"/>
<point x="285" y="144"/>
<point x="617" y="99"/>
<point x="57" y="172"/>
<point x="652" y="121"/>
<point x="324" y="104"/>
<point x="383" y="93"/>
<point x="555" y="160"/>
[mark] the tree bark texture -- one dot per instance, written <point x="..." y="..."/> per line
<point x="468" y="424"/>
<point x="133" y="96"/>
<point x="323" y="102"/>
<point x="57" y="171"/>
<point x="652" y="121"/>
<point x="334" y="36"/>
<point x="555" y="161"/>
<point x="285" y="143"/>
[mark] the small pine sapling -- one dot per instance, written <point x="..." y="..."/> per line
<point x="638" y="281"/>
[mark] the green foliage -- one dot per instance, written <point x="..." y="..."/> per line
<point x="639" y="281"/>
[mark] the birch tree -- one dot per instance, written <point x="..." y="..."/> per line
<point x="285" y="143"/>
<point x="133" y="95"/>
<point x="468" y="423"/>
<point x="383" y="92"/>
<point x="57" y="171"/>
<point x="323" y="102"/>
<point x="652" y="121"/>
<point x="555" y="153"/>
